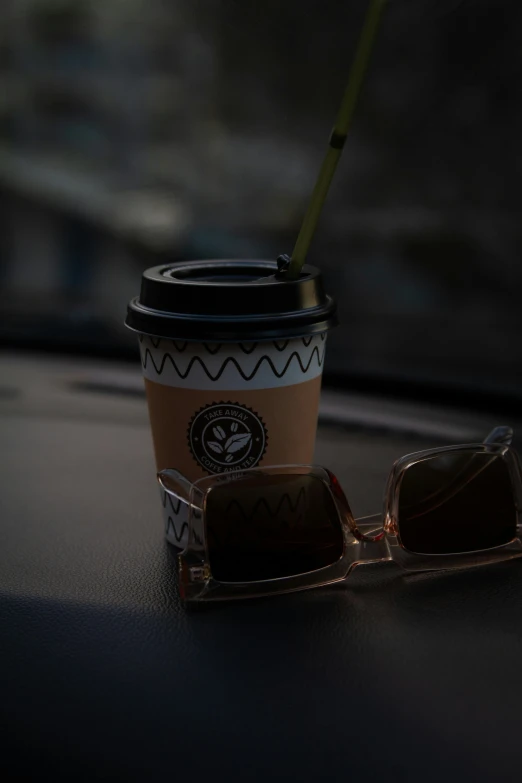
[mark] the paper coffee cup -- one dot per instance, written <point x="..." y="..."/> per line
<point x="221" y="405"/>
<point x="216" y="408"/>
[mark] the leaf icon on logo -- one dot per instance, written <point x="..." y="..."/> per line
<point x="217" y="447"/>
<point x="219" y="433"/>
<point x="236" y="442"/>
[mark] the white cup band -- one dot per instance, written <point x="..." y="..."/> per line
<point x="231" y="366"/>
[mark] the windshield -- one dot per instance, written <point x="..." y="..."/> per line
<point x="144" y="132"/>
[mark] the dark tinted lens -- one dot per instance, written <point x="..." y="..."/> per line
<point x="267" y="527"/>
<point x="457" y="503"/>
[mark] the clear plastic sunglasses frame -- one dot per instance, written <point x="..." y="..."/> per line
<point x="370" y="539"/>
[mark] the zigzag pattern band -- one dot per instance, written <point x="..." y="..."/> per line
<point x="233" y="366"/>
<point x="164" y="497"/>
<point x="263" y="503"/>
<point x="230" y="360"/>
<point x="225" y="538"/>
<point x="176" y="527"/>
<point x="178" y="534"/>
<point x="170" y="530"/>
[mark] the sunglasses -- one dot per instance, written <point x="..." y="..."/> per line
<point x="280" y="529"/>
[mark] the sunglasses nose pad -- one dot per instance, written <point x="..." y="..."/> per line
<point x="372" y="551"/>
<point x="370" y="528"/>
<point x="374" y="533"/>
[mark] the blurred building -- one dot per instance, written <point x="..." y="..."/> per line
<point x="141" y="131"/>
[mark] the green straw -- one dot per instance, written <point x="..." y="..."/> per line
<point x="338" y="137"/>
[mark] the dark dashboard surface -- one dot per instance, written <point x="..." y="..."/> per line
<point x="105" y="676"/>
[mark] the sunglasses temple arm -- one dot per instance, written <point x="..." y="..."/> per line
<point x="502" y="435"/>
<point x="176" y="485"/>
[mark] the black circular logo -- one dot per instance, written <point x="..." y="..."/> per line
<point x="226" y="436"/>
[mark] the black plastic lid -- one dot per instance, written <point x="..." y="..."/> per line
<point x="230" y="300"/>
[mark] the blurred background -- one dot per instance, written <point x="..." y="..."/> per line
<point x="134" y="132"/>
